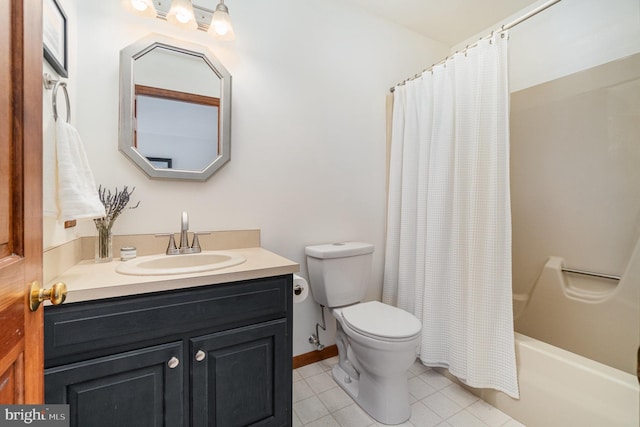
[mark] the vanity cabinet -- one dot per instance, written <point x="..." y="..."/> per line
<point x="217" y="355"/>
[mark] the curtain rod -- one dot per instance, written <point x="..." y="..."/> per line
<point x="505" y="27"/>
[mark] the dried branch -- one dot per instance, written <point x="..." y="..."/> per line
<point x="114" y="204"/>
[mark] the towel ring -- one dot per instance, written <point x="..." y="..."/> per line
<point x="55" y="101"/>
<point x="50" y="82"/>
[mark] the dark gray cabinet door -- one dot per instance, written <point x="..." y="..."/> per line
<point x="242" y="377"/>
<point x="144" y="387"/>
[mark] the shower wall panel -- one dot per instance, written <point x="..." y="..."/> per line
<point x="575" y="185"/>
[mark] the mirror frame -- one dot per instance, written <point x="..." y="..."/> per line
<point x="128" y="57"/>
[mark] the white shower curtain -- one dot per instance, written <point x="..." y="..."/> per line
<point x="448" y="254"/>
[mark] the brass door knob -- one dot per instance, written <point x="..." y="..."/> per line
<point x="57" y="294"/>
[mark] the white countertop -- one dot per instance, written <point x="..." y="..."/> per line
<point x="90" y="281"/>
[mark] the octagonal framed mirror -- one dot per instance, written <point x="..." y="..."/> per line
<point x="175" y="109"/>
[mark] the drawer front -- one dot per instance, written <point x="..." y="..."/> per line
<point x="102" y="325"/>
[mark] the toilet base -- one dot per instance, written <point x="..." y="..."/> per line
<point x="348" y="383"/>
<point x="390" y="406"/>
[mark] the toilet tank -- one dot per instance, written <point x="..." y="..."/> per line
<point x="339" y="272"/>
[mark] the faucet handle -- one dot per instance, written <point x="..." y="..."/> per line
<point x="195" y="244"/>
<point x="171" y="247"/>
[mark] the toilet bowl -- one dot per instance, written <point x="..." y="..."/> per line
<point x="377" y="343"/>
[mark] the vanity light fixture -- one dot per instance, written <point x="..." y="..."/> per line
<point x="181" y="14"/>
<point x="221" y="27"/>
<point x="185" y="14"/>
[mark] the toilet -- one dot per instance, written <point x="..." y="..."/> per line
<point x="377" y="343"/>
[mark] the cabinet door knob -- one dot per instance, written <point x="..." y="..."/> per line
<point x="173" y="362"/>
<point x="200" y="355"/>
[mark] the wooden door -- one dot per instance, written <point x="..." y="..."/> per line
<point x="21" y="349"/>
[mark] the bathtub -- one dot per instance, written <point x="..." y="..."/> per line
<point x="560" y="388"/>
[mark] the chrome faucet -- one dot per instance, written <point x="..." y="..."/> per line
<point x="184" y="237"/>
<point x="184" y="248"/>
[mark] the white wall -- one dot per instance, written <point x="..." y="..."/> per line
<point x="308" y="126"/>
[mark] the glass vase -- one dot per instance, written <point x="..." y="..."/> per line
<point x="104" y="246"/>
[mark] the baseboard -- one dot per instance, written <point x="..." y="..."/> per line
<point x="315" y="356"/>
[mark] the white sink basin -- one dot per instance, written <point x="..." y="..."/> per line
<point x="157" y="265"/>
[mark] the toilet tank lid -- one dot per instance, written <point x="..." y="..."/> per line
<point x="339" y="250"/>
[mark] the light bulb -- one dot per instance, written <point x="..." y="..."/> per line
<point x="221" y="23"/>
<point x="221" y="26"/>
<point x="181" y="13"/>
<point x="139" y="5"/>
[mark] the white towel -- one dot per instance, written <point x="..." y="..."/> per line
<point x="49" y="171"/>
<point x="77" y="196"/>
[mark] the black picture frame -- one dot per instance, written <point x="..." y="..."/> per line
<point x="54" y="36"/>
<point x="160" y="162"/>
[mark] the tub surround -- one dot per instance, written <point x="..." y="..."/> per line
<point x="562" y="310"/>
<point x="86" y="280"/>
<point x="574" y="140"/>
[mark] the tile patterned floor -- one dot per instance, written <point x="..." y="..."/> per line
<point x="435" y="401"/>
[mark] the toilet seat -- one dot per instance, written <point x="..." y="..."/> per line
<point x="381" y="321"/>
